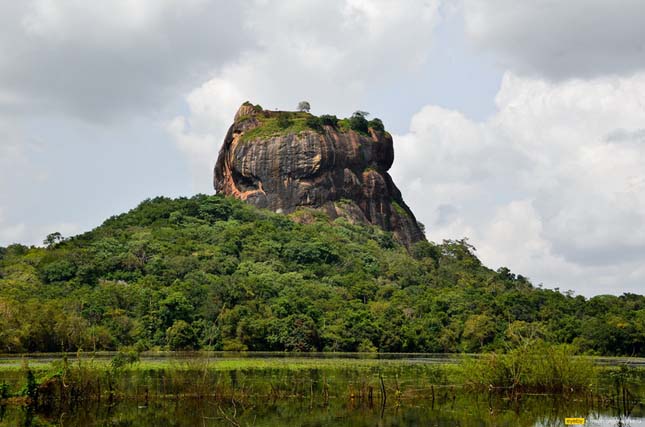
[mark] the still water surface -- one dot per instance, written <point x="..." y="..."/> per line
<point x="464" y="412"/>
<point x="444" y="406"/>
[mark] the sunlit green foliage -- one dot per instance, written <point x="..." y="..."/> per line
<point x="273" y="124"/>
<point x="212" y="272"/>
<point x="277" y="124"/>
<point x="532" y="366"/>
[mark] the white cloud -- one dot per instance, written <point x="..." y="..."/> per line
<point x="10" y="233"/>
<point x="561" y="39"/>
<point x="543" y="186"/>
<point x="16" y="168"/>
<point x="20" y="232"/>
<point x="111" y="59"/>
<point x="14" y="158"/>
<point x="551" y="185"/>
<point x="331" y="53"/>
<point x="200" y="134"/>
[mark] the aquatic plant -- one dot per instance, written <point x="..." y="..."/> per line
<point x="533" y="367"/>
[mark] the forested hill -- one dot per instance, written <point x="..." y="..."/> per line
<point x="211" y="272"/>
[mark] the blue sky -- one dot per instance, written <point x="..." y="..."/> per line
<point x="519" y="125"/>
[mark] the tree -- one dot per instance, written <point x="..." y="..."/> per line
<point x="58" y="271"/>
<point x="478" y="329"/>
<point x="181" y="336"/>
<point x="358" y="122"/>
<point x="377" y="124"/>
<point x="228" y="276"/>
<point x="329" y="120"/>
<point x="174" y="307"/>
<point x="304" y="106"/>
<point x="294" y="333"/>
<point x="52" y="239"/>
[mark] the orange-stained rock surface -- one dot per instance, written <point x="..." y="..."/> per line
<point x="341" y="173"/>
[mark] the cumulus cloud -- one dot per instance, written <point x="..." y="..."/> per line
<point x="542" y="186"/>
<point x="331" y="53"/>
<point x="200" y="133"/>
<point x="17" y="169"/>
<point x="10" y="233"/>
<point x="111" y="59"/>
<point x="20" y="232"/>
<point x="14" y="159"/>
<point x="561" y="39"/>
<point x="550" y="185"/>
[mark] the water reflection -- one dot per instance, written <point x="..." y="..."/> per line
<point x="183" y="390"/>
<point x="464" y="411"/>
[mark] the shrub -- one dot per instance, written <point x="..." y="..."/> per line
<point x="4" y="390"/>
<point x="358" y="122"/>
<point x="376" y="124"/>
<point x="329" y="120"/>
<point x="124" y="357"/>
<point x="234" y="345"/>
<point x="315" y="123"/>
<point x="284" y="121"/>
<point x="534" y="367"/>
<point x="31" y="387"/>
<point x="366" y="346"/>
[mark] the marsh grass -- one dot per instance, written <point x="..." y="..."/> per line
<point x="537" y="368"/>
<point x="71" y="382"/>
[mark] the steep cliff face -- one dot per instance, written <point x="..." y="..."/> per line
<point x="339" y="171"/>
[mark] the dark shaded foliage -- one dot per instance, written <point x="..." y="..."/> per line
<point x="284" y="120"/>
<point x="329" y="120"/>
<point x="376" y="124"/>
<point x="314" y="123"/>
<point x="358" y="122"/>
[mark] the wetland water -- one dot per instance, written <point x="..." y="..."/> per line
<point x="222" y="389"/>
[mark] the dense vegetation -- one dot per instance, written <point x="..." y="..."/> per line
<point x="212" y="272"/>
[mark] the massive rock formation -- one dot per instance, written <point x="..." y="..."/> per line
<point x="341" y="172"/>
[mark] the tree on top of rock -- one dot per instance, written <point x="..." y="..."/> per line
<point x="358" y="122"/>
<point x="304" y="106"/>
